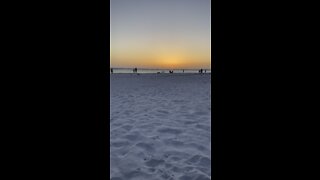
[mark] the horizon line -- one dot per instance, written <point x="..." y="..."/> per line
<point x="159" y="68"/>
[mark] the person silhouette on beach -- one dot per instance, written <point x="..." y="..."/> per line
<point x="135" y="70"/>
<point x="111" y="70"/>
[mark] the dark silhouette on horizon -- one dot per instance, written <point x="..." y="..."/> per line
<point x="135" y="70"/>
<point x="154" y="70"/>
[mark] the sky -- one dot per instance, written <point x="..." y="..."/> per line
<point x="160" y="33"/>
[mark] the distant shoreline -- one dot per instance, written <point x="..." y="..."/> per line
<point x="157" y="71"/>
<point x="187" y="73"/>
<point x="160" y="69"/>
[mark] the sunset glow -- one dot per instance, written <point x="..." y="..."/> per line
<point x="160" y="33"/>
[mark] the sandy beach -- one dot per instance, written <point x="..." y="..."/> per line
<point x="160" y="127"/>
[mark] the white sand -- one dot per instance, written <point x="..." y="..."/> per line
<point x="160" y="127"/>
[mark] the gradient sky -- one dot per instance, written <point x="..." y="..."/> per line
<point x="160" y="33"/>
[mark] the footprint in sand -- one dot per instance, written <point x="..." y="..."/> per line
<point x="146" y="146"/>
<point x="116" y="178"/>
<point x="203" y="127"/>
<point x="194" y="176"/>
<point x="193" y="159"/>
<point x="136" y="174"/>
<point x="198" y="147"/>
<point x="204" y="162"/>
<point x="170" y="131"/>
<point x="133" y="136"/>
<point x="201" y="163"/>
<point x="173" y="143"/>
<point x="154" y="162"/>
<point x="118" y="144"/>
<point x="127" y="127"/>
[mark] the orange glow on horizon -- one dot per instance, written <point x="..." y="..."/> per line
<point x="160" y="34"/>
<point x="155" y="57"/>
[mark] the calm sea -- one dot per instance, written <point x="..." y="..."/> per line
<point x="130" y="70"/>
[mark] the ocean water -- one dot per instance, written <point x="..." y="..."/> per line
<point x="152" y="71"/>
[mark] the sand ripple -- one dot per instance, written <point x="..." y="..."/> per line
<point x="160" y="127"/>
